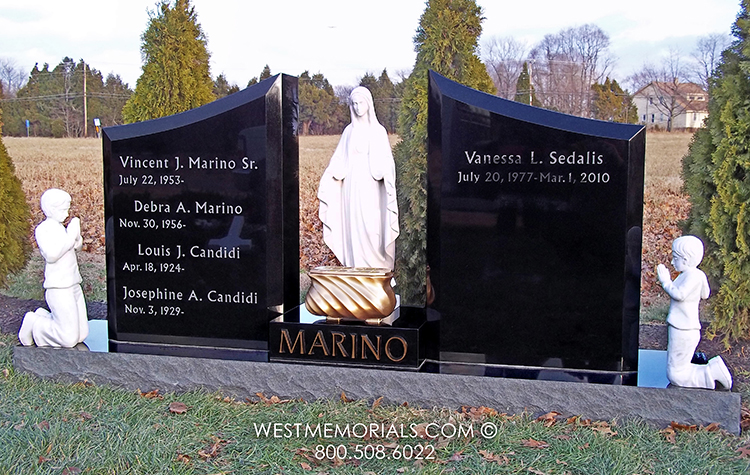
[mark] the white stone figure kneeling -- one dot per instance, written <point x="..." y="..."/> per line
<point x="683" y="323"/>
<point x="67" y="324"/>
<point x="357" y="191"/>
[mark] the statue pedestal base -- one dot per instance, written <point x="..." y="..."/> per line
<point x="295" y="337"/>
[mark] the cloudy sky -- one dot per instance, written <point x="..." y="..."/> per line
<point x="343" y="39"/>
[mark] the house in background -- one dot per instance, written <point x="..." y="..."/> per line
<point x="671" y="105"/>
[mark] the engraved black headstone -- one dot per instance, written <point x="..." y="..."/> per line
<point x="534" y="238"/>
<point x="202" y="213"/>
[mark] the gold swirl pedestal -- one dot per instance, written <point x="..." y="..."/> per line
<point x="351" y="293"/>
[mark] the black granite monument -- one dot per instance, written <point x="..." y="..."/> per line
<point x="533" y="238"/>
<point x="202" y="213"/>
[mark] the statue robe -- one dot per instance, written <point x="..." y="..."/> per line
<point x="357" y="195"/>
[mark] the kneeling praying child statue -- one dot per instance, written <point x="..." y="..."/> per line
<point x="684" y="326"/>
<point x="66" y="323"/>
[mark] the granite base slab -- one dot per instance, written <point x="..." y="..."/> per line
<point x="245" y="378"/>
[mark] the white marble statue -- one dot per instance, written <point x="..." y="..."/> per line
<point x="684" y="326"/>
<point x="357" y="191"/>
<point x="66" y="323"/>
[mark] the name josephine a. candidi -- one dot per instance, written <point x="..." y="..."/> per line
<point x="165" y="294"/>
<point x="201" y="207"/>
<point x="196" y="163"/>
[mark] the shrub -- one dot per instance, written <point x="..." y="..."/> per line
<point x="716" y="172"/>
<point x="15" y="218"/>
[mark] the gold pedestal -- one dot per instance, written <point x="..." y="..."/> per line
<point x="351" y="293"/>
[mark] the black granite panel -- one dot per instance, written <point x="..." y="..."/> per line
<point x="534" y="224"/>
<point x="201" y="216"/>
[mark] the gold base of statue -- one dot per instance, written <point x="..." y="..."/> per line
<point x="351" y="293"/>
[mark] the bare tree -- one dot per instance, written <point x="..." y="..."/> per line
<point x="565" y="65"/>
<point x="707" y="55"/>
<point x="12" y="77"/>
<point x="504" y="57"/>
<point x="667" y="86"/>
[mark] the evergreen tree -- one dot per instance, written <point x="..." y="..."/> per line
<point x="266" y="73"/>
<point x="176" y="74"/>
<point x="384" y="96"/>
<point x="524" y="89"/>
<point x="716" y="174"/>
<point x="222" y="88"/>
<point x="611" y="103"/>
<point x="446" y="42"/>
<point x="52" y="101"/>
<point x="15" y="218"/>
<point x="319" y="109"/>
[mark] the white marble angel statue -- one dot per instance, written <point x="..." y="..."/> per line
<point x="66" y="323"/>
<point x="684" y="326"/>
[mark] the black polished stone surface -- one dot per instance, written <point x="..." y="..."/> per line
<point x="402" y="345"/>
<point x="202" y="213"/>
<point x="534" y="236"/>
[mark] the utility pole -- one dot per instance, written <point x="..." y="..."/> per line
<point x="85" y="110"/>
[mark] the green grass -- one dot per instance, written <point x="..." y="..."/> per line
<point x="48" y="427"/>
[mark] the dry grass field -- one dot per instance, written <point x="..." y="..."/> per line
<point x="75" y="165"/>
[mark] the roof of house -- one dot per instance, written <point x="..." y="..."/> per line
<point x="690" y="96"/>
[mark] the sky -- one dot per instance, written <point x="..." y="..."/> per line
<point x="343" y="39"/>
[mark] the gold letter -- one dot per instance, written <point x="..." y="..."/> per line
<point x="300" y="338"/>
<point x="388" y="350"/>
<point x="367" y="342"/>
<point x="319" y="341"/>
<point x="337" y="340"/>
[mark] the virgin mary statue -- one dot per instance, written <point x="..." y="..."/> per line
<point x="358" y="193"/>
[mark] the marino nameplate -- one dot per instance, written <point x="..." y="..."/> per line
<point x="201" y="214"/>
<point x="398" y="346"/>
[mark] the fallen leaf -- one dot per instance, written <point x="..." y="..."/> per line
<point x="420" y="430"/>
<point x="670" y="435"/>
<point x="560" y="462"/>
<point x="478" y="413"/>
<point x="537" y="472"/>
<point x="744" y="451"/>
<point x="177" y="407"/>
<point x="6" y="373"/>
<point x="44" y="425"/>
<point x="305" y="466"/>
<point x="85" y="416"/>
<point x="401" y="470"/>
<point x="535" y="444"/>
<point x="683" y="427"/>
<point x="214" y="449"/>
<point x="377" y="402"/>
<point x="603" y="428"/>
<point x="490" y="457"/>
<point x="344" y="398"/>
<point x="42" y="459"/>
<point x="20" y="425"/>
<point x="712" y="427"/>
<point x="457" y="457"/>
<point x="548" y="419"/>
<point x="71" y="471"/>
<point x="151" y="394"/>
<point x="183" y="458"/>
<point x="584" y="446"/>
